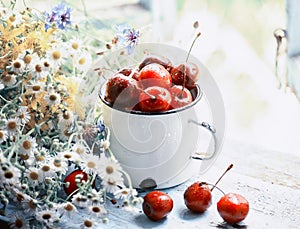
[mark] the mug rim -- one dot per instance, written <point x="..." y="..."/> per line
<point x="136" y="112"/>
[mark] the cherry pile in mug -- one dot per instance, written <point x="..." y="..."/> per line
<point x="154" y="86"/>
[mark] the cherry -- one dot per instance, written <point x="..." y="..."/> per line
<point x="154" y="75"/>
<point x="155" y="99"/>
<point x="180" y="96"/>
<point x="128" y="72"/>
<point x="71" y="179"/>
<point x="185" y="74"/>
<point x="157" y="205"/>
<point x="165" y="62"/>
<point x="233" y="208"/>
<point x="197" y="197"/>
<point x="121" y="91"/>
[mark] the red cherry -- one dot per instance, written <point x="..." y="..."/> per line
<point x="155" y="99"/>
<point x="71" y="179"/>
<point x="165" y="62"/>
<point x="185" y="74"/>
<point x="128" y="72"/>
<point x="157" y="205"/>
<point x="197" y="197"/>
<point x="154" y="75"/>
<point x="122" y="91"/>
<point x="180" y="96"/>
<point x="233" y="208"/>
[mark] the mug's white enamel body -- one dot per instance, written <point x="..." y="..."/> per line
<point x="158" y="150"/>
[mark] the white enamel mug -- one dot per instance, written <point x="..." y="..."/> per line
<point x="159" y="150"/>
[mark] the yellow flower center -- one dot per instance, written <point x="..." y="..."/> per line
<point x="1" y="134"/>
<point x="53" y="97"/>
<point x="38" y="68"/>
<point x="20" y="197"/>
<point x="56" y="55"/>
<point x="69" y="207"/>
<point x="36" y="88"/>
<point x="81" y="61"/>
<point x="18" y="223"/>
<point x="66" y="115"/>
<point x="8" y="174"/>
<point x="75" y="46"/>
<point x="34" y="175"/>
<point x="88" y="223"/>
<point x="46" y="64"/>
<point x="91" y="164"/>
<point x="45" y="168"/>
<point x="109" y="169"/>
<point x="12" y="125"/>
<point x="26" y="145"/>
<point x="17" y="65"/>
<point x="27" y="59"/>
<point x="96" y="209"/>
<point x="46" y="216"/>
<point x="12" y="18"/>
<point x="24" y="157"/>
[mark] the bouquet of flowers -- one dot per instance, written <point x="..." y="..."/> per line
<point x="55" y="160"/>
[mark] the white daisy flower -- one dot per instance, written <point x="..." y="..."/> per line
<point x="9" y="175"/>
<point x="47" y="170"/>
<point x="56" y="57"/>
<point x="28" y="57"/>
<point x="68" y="209"/>
<point x="71" y="156"/>
<point x="80" y="148"/>
<point x="35" y="176"/>
<point x="125" y="193"/>
<point x="83" y="61"/>
<point x="30" y="205"/>
<point x="27" y="146"/>
<point x="17" y="66"/>
<point x="28" y="159"/>
<point x="74" y="46"/>
<point x="112" y="185"/>
<point x="80" y="200"/>
<point x="12" y="126"/>
<point x="65" y="134"/>
<point x="109" y="168"/>
<point x="35" y="87"/>
<point x="97" y="210"/>
<point x="9" y="80"/>
<point x="90" y="163"/>
<point x="47" y="216"/>
<point x="3" y="136"/>
<point x="23" y="115"/>
<point x="59" y="164"/>
<point x="65" y="119"/>
<point x="53" y="98"/>
<point x="14" y="19"/>
<point x="89" y="222"/>
<point x="38" y="72"/>
<point x="19" y="221"/>
<point x="46" y="65"/>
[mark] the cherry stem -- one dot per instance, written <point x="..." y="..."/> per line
<point x="229" y="167"/>
<point x="213" y="186"/>
<point x="188" y="55"/>
<point x="184" y="81"/>
<point x="151" y="96"/>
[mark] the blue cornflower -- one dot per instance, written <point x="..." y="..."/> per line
<point x="60" y="14"/>
<point x="127" y="37"/>
<point x="101" y="126"/>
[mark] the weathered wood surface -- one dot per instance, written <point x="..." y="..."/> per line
<point x="270" y="181"/>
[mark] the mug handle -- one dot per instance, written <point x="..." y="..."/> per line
<point x="212" y="95"/>
<point x="212" y="131"/>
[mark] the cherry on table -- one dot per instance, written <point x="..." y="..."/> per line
<point x="197" y="197"/>
<point x="157" y="205"/>
<point x="233" y="208"/>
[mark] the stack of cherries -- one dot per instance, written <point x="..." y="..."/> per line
<point x="154" y="86"/>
